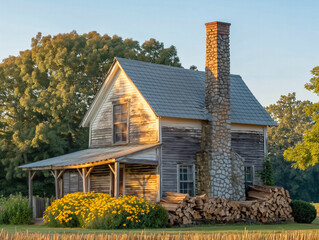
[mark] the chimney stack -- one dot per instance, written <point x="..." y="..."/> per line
<point x="217" y="101"/>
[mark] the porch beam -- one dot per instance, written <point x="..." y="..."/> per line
<point x="32" y="176"/>
<point x="111" y="168"/>
<point x="117" y="179"/>
<point x="88" y="172"/>
<point x="80" y="172"/>
<point x="61" y="173"/>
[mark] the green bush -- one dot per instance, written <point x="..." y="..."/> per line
<point x="303" y="212"/>
<point x="267" y="175"/>
<point x="15" y="210"/>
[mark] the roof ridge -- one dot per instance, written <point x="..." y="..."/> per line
<point x="168" y="66"/>
<point x="150" y="63"/>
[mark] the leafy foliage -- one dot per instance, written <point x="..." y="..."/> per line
<point x="292" y="122"/>
<point x="303" y="212"/>
<point x="45" y="91"/>
<point x="15" y="210"/>
<point x="267" y="176"/>
<point x="306" y="152"/>
<point x="98" y="210"/>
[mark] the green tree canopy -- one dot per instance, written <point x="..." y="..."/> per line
<point x="292" y="122"/>
<point x="306" y="152"/>
<point x="45" y="91"/>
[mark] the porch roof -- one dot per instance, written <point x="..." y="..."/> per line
<point x="90" y="157"/>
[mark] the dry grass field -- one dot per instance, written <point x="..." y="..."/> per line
<point x="245" y="235"/>
<point x="201" y="232"/>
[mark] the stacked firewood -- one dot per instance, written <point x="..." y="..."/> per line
<point x="265" y="204"/>
<point x="273" y="203"/>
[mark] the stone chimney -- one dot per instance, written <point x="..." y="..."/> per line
<point x="217" y="101"/>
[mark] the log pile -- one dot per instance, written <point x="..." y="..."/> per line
<point x="264" y="204"/>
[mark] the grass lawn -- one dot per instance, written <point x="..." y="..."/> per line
<point x="202" y="229"/>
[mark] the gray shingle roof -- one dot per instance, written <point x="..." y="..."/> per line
<point x="180" y="93"/>
<point x="92" y="155"/>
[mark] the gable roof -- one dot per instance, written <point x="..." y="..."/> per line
<point x="180" y="93"/>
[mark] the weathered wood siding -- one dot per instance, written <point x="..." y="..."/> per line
<point x="72" y="182"/>
<point x="180" y="144"/>
<point x="100" y="179"/>
<point x="142" y="181"/>
<point x="143" y="125"/>
<point x="249" y="145"/>
<point x="143" y="157"/>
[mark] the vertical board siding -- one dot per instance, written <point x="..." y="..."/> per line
<point x="180" y="146"/>
<point x="141" y="181"/>
<point x="143" y="125"/>
<point x="72" y="182"/>
<point x="250" y="146"/>
<point x="146" y="156"/>
<point x="100" y="179"/>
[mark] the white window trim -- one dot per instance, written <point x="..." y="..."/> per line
<point x="178" y="177"/>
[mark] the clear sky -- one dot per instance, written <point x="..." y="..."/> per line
<point x="274" y="44"/>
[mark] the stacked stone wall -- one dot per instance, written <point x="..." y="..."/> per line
<point x="238" y="177"/>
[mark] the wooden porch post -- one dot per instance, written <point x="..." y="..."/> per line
<point x="117" y="179"/>
<point x="84" y="175"/>
<point x="30" y="185"/>
<point x="30" y="188"/>
<point x="84" y="171"/>
<point x="112" y="175"/>
<point x="57" y="175"/>
<point x="56" y="182"/>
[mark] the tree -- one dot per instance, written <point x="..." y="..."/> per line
<point x="45" y="91"/>
<point x="306" y="152"/>
<point x="153" y="51"/>
<point x="292" y="122"/>
<point x="193" y="67"/>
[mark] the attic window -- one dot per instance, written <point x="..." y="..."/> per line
<point x="120" y="123"/>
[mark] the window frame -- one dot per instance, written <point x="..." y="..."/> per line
<point x="127" y="123"/>
<point x="179" y="181"/>
<point x="252" y="182"/>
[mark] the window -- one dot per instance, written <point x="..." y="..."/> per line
<point x="186" y="179"/>
<point x="120" y="123"/>
<point x="249" y="176"/>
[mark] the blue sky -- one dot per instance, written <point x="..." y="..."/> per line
<point x="274" y="44"/>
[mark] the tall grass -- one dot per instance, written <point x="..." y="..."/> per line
<point x="15" y="210"/>
<point x="215" y="236"/>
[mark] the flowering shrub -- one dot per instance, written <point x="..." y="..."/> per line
<point x="98" y="210"/>
<point x="71" y="210"/>
<point x="15" y="210"/>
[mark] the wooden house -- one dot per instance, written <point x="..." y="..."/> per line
<point x="155" y="128"/>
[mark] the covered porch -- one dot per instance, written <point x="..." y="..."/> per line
<point x="116" y="170"/>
